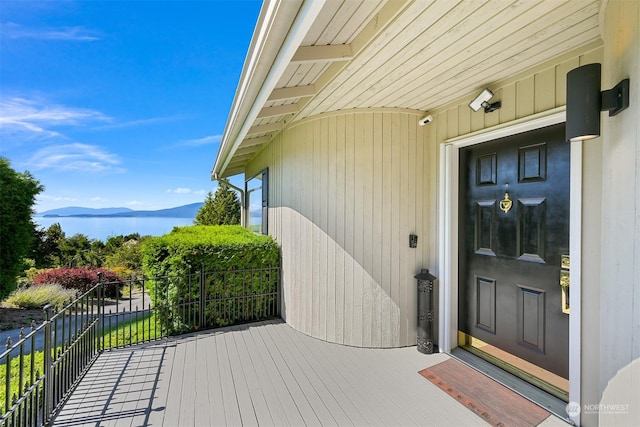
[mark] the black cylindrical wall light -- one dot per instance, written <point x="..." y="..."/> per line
<point x="585" y="101"/>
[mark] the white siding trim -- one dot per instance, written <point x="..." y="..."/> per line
<point x="535" y="121"/>
<point x="448" y="264"/>
<point x="448" y="234"/>
<point x="575" y="297"/>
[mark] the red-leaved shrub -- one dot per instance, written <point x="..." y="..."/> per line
<point x="81" y="279"/>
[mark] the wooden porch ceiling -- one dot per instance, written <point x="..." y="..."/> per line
<point x="419" y="55"/>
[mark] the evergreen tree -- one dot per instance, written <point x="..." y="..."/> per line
<point x="223" y="208"/>
<point x="47" y="250"/>
<point x="18" y="192"/>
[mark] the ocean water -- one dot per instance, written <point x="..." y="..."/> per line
<point x="103" y="228"/>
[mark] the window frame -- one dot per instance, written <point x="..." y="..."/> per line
<point x="263" y="175"/>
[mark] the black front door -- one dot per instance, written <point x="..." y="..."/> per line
<point x="514" y="230"/>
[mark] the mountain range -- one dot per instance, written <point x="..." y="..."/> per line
<point x="185" y="211"/>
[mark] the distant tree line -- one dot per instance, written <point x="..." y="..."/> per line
<point x="52" y="248"/>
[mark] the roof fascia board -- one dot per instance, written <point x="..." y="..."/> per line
<point x="305" y="18"/>
<point x="268" y="14"/>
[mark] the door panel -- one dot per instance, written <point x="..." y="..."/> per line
<point x="514" y="229"/>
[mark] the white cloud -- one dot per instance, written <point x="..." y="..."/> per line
<point x="182" y="190"/>
<point x="56" y="198"/>
<point x="141" y="122"/>
<point x="198" y="142"/>
<point x="12" y="30"/>
<point x="134" y="203"/>
<point x="35" y="117"/>
<point x="98" y="199"/>
<point x="179" y="190"/>
<point x="212" y="139"/>
<point x="75" y="157"/>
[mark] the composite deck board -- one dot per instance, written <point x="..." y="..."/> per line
<point x="390" y="389"/>
<point x="275" y="382"/>
<point x="363" y="410"/>
<point x="363" y="382"/>
<point x="243" y="396"/>
<point x="146" y="385"/>
<point x="286" y="378"/>
<point x="385" y="398"/>
<point x="298" y="367"/>
<point x="211" y="382"/>
<point x="347" y="397"/>
<point x="413" y="391"/>
<point x="328" y="396"/>
<point x="160" y="396"/>
<point x="174" y="393"/>
<point x="190" y="384"/>
<point x="262" y="374"/>
<point x="231" y="408"/>
<point x="203" y="407"/>
<point x="260" y="406"/>
<point x="275" y="407"/>
<point x="128" y="402"/>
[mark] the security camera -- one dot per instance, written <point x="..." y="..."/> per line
<point x="482" y="101"/>
<point x="423" y="121"/>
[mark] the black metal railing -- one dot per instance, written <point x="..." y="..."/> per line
<point x="42" y="367"/>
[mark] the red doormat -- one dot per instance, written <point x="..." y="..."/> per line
<point x="493" y="402"/>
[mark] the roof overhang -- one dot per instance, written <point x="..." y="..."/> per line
<point x="312" y="56"/>
<point x="279" y="31"/>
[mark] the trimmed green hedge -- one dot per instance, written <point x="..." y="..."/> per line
<point x="219" y="251"/>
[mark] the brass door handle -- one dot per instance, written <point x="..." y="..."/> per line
<point x="565" y="281"/>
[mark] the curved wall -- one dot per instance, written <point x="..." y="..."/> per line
<point x="346" y="190"/>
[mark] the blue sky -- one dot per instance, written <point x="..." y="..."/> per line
<point x="119" y="103"/>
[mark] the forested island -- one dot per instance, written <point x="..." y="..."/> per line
<point x="186" y="211"/>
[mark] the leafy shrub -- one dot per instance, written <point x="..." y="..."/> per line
<point x="128" y="255"/>
<point x="27" y="277"/>
<point x="214" y="248"/>
<point x="177" y="257"/>
<point x="80" y="279"/>
<point x="39" y="296"/>
<point x="32" y="272"/>
<point x="123" y="272"/>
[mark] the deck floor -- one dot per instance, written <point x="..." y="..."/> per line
<point x="261" y="374"/>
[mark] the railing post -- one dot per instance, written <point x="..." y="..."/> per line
<point x="100" y="314"/>
<point x="48" y="381"/>
<point x="7" y="403"/>
<point x="202" y="305"/>
<point x="279" y="290"/>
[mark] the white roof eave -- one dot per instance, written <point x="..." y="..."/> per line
<point x="263" y="67"/>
